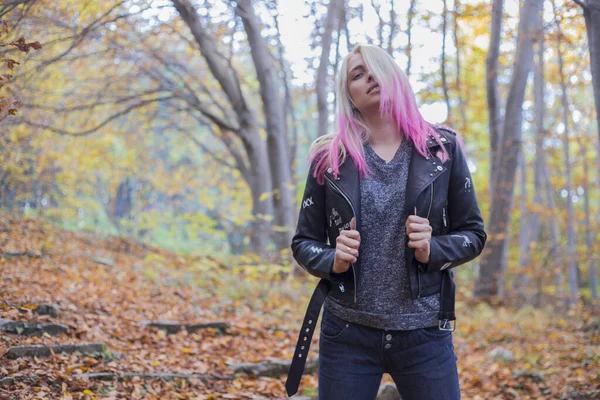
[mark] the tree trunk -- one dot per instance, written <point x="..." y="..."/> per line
<point x="571" y="262"/>
<point x="410" y="17"/>
<point x="390" y="46"/>
<point x="493" y="100"/>
<point x="533" y="220"/>
<point x="553" y="256"/>
<point x="259" y="170"/>
<point x="444" y="75"/>
<point x="377" y="9"/>
<point x="493" y="266"/>
<point x="524" y="231"/>
<point x="591" y="13"/>
<point x="289" y="113"/>
<point x="457" y="45"/>
<point x="589" y="241"/>
<point x="333" y="13"/>
<point x="279" y="160"/>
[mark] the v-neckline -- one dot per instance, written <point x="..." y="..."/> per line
<point x="381" y="159"/>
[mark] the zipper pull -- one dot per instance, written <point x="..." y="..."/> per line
<point x="342" y="288"/>
<point x="444" y="217"/>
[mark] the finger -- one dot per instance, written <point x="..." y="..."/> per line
<point x="351" y="234"/>
<point x="347" y="241"/>
<point x="353" y="224"/>
<point x="347" y="249"/>
<point x="340" y="255"/>
<point x="419" y="245"/>
<point x="416" y="219"/>
<point x="416" y="236"/>
<point x="418" y="228"/>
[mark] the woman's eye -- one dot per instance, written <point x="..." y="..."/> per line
<point x="357" y="76"/>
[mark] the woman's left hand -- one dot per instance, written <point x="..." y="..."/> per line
<point x="418" y="231"/>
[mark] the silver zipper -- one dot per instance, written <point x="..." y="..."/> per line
<point x="339" y="190"/>
<point x="430" y="202"/>
<point x="419" y="268"/>
<point x="444" y="217"/>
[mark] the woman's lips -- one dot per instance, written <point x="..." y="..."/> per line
<point x="373" y="90"/>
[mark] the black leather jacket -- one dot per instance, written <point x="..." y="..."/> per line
<point x="441" y="192"/>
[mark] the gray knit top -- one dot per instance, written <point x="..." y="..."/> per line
<point x="383" y="294"/>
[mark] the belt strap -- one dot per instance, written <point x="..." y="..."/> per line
<point x="447" y="300"/>
<point x="304" y="338"/>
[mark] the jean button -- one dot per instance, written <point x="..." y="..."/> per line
<point x="388" y="337"/>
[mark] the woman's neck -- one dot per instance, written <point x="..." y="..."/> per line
<point x="383" y="131"/>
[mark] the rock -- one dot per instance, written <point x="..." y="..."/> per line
<point x="221" y="326"/>
<point x="273" y="369"/>
<point x="388" y="392"/>
<point x="501" y="354"/>
<point x="6" y="381"/>
<point x="101" y="376"/>
<point x="28" y="253"/>
<point x="536" y="377"/>
<point x="167" y="376"/>
<point x="104" y="261"/>
<point x="174" y="327"/>
<point x="46" y="351"/>
<point x="47" y="309"/>
<point x="32" y="329"/>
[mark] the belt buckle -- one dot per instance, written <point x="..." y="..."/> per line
<point x="447" y="325"/>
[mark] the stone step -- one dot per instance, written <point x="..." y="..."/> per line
<point x="47" y="351"/>
<point x="32" y="328"/>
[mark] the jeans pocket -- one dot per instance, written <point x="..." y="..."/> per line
<point x="433" y="332"/>
<point x="333" y="327"/>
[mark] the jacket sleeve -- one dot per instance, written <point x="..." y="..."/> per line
<point x="309" y="244"/>
<point x="466" y="237"/>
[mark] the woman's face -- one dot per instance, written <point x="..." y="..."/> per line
<point x="362" y="87"/>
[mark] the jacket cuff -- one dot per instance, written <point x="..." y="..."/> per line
<point x="436" y="262"/>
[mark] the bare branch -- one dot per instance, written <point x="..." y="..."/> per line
<point x="102" y="124"/>
<point x="224" y="137"/>
<point x="89" y="106"/>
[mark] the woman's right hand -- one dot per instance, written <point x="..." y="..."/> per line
<point x="346" y="248"/>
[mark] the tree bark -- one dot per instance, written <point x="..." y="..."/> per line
<point x="333" y="13"/>
<point x="493" y="265"/>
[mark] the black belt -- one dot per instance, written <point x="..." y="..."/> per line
<point x="317" y="299"/>
<point x="306" y="333"/>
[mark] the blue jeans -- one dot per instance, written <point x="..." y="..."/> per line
<point x="353" y="358"/>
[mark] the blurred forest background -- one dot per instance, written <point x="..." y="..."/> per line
<point x="170" y="137"/>
<point x="186" y="124"/>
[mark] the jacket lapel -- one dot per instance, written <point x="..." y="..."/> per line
<point x="421" y="173"/>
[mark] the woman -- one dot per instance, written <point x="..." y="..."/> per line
<point x="388" y="210"/>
